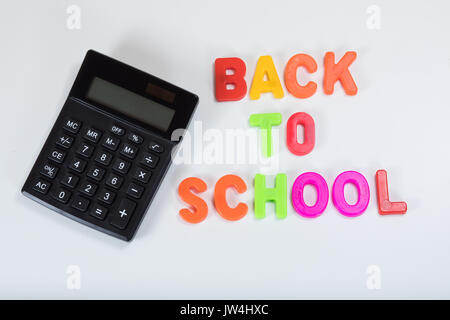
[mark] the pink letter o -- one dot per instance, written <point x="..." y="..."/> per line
<point x="299" y="204"/>
<point x="358" y="180"/>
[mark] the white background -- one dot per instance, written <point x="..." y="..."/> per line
<point x="398" y="121"/>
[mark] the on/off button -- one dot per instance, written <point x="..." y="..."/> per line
<point x="117" y="130"/>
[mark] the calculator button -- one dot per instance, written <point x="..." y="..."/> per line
<point x="135" y="138"/>
<point x="106" y="196"/>
<point x="41" y="186"/>
<point x="64" y="141"/>
<point x="117" y="130"/>
<point x="72" y="125"/>
<point x="96" y="173"/>
<point x="80" y="203"/>
<point x="77" y="165"/>
<point x="49" y="170"/>
<point x="57" y="156"/>
<point x="142" y="175"/>
<point x="121" y="166"/>
<point x="61" y="195"/>
<point x="135" y="191"/>
<point x="103" y="158"/>
<point x="85" y="150"/>
<point x="69" y="180"/>
<point x="122" y="214"/>
<point x="114" y="181"/>
<point x="149" y="160"/>
<point x="92" y="135"/>
<point x="88" y="188"/>
<point x="128" y="150"/>
<point x="99" y="212"/>
<point x="111" y="143"/>
<point x="154" y="146"/>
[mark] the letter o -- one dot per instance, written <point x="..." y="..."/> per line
<point x="298" y="202"/>
<point x="358" y="180"/>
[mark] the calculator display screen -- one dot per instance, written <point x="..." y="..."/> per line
<point x="131" y="104"/>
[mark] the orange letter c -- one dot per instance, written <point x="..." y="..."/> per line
<point x="220" y="200"/>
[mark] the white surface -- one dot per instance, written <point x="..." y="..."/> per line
<point x="398" y="121"/>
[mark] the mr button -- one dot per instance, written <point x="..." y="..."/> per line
<point x="122" y="214"/>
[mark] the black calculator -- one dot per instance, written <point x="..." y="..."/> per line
<point x="110" y="146"/>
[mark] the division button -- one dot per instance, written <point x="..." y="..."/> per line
<point x="149" y="160"/>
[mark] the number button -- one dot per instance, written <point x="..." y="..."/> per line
<point x="80" y="203"/>
<point x="96" y="173"/>
<point x="72" y="125"/>
<point x="57" y="156"/>
<point x="49" y="170"/>
<point x="114" y="181"/>
<point x="41" y="186"/>
<point x="77" y="165"/>
<point x="123" y="213"/>
<point x="92" y="135"/>
<point x="103" y="158"/>
<point x="85" y="150"/>
<point x="99" y="212"/>
<point x="135" y="138"/>
<point x="61" y="195"/>
<point x="64" y="141"/>
<point x="149" y="160"/>
<point x="111" y="143"/>
<point x="69" y="180"/>
<point x="135" y="191"/>
<point x="128" y="151"/>
<point x="154" y="146"/>
<point x="121" y="166"/>
<point x="142" y="175"/>
<point x="106" y="196"/>
<point x="88" y="188"/>
<point x="117" y="130"/>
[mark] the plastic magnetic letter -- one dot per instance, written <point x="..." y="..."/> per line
<point x="290" y="76"/>
<point x="220" y="197"/>
<point x="298" y="202"/>
<point x="384" y="205"/>
<point x="309" y="136"/>
<point x="222" y="79"/>
<point x="278" y="194"/>
<point x="358" y="180"/>
<point x="200" y="208"/>
<point x="265" y="121"/>
<point x="265" y="68"/>
<point x="334" y="72"/>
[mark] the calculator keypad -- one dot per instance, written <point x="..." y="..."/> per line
<point x="98" y="175"/>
